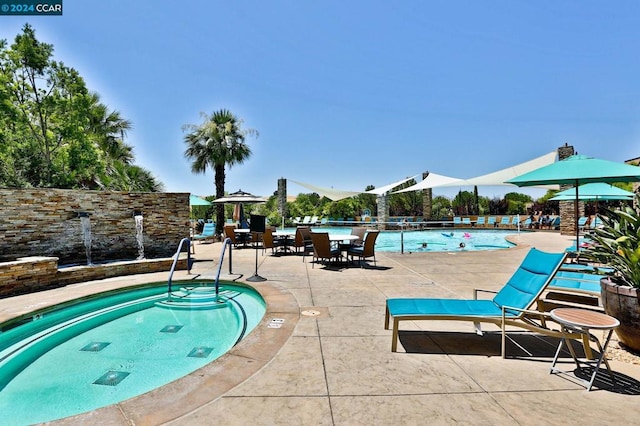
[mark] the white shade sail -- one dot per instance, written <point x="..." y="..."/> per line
<point x="433" y="180"/>
<point x="500" y="177"/>
<point x="387" y="188"/>
<point x="330" y="193"/>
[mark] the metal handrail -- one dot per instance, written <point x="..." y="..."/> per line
<point x="225" y="243"/>
<point x="175" y="262"/>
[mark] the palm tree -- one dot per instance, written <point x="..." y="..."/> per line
<point x="219" y="141"/>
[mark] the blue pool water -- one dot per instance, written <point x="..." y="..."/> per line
<point x="446" y="239"/>
<point x="101" y="351"/>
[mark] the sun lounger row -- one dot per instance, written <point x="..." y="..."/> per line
<point x="505" y="221"/>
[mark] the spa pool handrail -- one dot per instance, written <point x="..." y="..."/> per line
<point x="226" y="243"/>
<point x="175" y="262"/>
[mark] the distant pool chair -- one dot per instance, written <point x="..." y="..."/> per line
<point x="208" y="232"/>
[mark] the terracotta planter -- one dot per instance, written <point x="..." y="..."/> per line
<point x="623" y="303"/>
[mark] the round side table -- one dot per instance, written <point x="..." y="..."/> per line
<point x="574" y="320"/>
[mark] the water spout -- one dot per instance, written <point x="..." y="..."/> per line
<point x="137" y="215"/>
<point x="85" y="223"/>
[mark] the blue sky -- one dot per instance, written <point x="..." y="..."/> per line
<point x="347" y="94"/>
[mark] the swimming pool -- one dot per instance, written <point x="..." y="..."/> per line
<point x="106" y="349"/>
<point x="446" y="239"/>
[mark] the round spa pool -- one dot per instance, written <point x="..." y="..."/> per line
<point x="91" y="353"/>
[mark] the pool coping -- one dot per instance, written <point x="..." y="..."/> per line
<point x="205" y="385"/>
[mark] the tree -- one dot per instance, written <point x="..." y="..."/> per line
<point x="54" y="132"/>
<point x="217" y="142"/>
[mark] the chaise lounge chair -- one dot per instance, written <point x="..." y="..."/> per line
<point x="510" y="306"/>
<point x="208" y="231"/>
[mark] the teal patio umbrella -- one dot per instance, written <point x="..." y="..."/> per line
<point x="594" y="192"/>
<point x="577" y="170"/>
<point x="194" y="200"/>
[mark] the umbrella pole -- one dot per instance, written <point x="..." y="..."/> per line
<point x="577" y="217"/>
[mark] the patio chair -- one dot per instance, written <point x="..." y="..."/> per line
<point x="480" y="221"/>
<point x="505" y="221"/>
<point x="322" y="249"/>
<point x="302" y="240"/>
<point x="583" y="222"/>
<point x="229" y="232"/>
<point x="360" y="232"/>
<point x="306" y="220"/>
<point x="510" y="306"/>
<point x="366" y="250"/>
<point x="457" y="221"/>
<point x="208" y="231"/>
<point x="491" y="221"/>
<point x="466" y="221"/>
<point x="268" y="242"/>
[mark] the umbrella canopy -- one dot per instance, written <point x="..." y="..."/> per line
<point x="594" y="192"/>
<point x="240" y="197"/>
<point x="197" y="201"/>
<point x="577" y="170"/>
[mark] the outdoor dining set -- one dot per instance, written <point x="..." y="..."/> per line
<point x="324" y="247"/>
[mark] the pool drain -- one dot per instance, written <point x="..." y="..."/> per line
<point x="171" y="329"/>
<point x="310" y="313"/>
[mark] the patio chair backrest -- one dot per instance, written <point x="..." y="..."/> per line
<point x="302" y="236"/>
<point x="229" y="232"/>
<point x="321" y="244"/>
<point x="208" y="229"/>
<point x="359" y="231"/>
<point x="529" y="280"/>
<point x="370" y="243"/>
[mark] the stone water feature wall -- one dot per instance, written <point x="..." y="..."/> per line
<point x="46" y="222"/>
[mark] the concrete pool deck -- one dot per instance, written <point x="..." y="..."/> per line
<point x="330" y="363"/>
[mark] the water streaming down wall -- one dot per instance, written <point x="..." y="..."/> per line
<point x="139" y="234"/>
<point x="85" y="224"/>
<point x="45" y="222"/>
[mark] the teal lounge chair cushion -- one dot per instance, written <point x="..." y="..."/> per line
<point x="443" y="307"/>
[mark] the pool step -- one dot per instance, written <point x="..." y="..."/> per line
<point x="198" y="298"/>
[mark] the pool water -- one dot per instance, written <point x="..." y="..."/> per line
<point x="112" y="348"/>
<point x="446" y="239"/>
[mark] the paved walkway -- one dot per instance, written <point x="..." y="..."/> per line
<point x="331" y="362"/>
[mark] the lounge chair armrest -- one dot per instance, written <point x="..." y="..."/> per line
<point x="542" y="315"/>
<point x="480" y="290"/>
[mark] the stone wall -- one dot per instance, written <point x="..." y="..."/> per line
<point x="45" y="222"/>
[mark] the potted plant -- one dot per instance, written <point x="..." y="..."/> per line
<point x="617" y="245"/>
